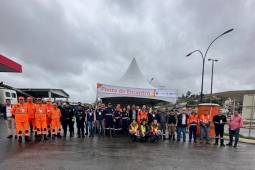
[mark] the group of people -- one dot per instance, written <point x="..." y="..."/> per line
<point x="45" y="121"/>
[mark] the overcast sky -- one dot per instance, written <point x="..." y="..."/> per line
<point x="75" y="44"/>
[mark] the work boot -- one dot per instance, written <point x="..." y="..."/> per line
<point x="10" y="136"/>
<point x="27" y="139"/>
<point x="20" y="139"/>
<point x="45" y="137"/>
<point x="173" y="137"/>
<point x="216" y="141"/>
<point x="49" y="135"/>
<point x="58" y="135"/>
<point x="39" y="137"/>
<point x="222" y="142"/>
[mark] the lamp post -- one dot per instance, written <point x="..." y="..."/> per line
<point x="151" y="80"/>
<point x="213" y="60"/>
<point x="203" y="58"/>
<point x="161" y="87"/>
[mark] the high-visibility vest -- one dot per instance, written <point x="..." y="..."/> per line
<point x="193" y="118"/>
<point x="205" y="119"/>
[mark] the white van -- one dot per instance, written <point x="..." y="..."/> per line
<point x="8" y="94"/>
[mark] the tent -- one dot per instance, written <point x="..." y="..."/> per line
<point x="7" y="65"/>
<point x="136" y="84"/>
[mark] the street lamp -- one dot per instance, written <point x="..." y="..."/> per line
<point x="203" y="58"/>
<point x="151" y="80"/>
<point x="213" y="60"/>
<point x="161" y="87"/>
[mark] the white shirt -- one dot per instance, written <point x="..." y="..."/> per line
<point x="8" y="111"/>
<point x="184" y="119"/>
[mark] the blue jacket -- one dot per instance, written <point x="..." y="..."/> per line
<point x="117" y="115"/>
<point x="78" y="114"/>
<point x="100" y="114"/>
<point x="90" y="114"/>
<point x="179" y="120"/>
<point x="124" y="116"/>
<point x="109" y="111"/>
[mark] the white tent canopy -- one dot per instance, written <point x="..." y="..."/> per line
<point x="133" y="78"/>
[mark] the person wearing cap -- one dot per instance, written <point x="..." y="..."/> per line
<point x="172" y="123"/>
<point x="80" y="120"/>
<point x="55" y="115"/>
<point x="116" y="120"/>
<point x="8" y="117"/>
<point x="19" y="111"/>
<point x="40" y="119"/>
<point x="124" y="121"/>
<point x="144" y="131"/>
<point x="109" y="120"/>
<point x="153" y="115"/>
<point x="67" y="116"/>
<point x="134" y="131"/>
<point x="193" y="123"/>
<point x="31" y="114"/>
<point x="100" y="117"/>
<point x="133" y="113"/>
<point x="155" y="131"/>
<point x="48" y="121"/>
<point x="162" y="118"/>
<point x="91" y="120"/>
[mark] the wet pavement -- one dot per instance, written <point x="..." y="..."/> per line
<point x="118" y="153"/>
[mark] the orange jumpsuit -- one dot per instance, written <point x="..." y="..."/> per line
<point x="31" y="114"/>
<point x="40" y="119"/>
<point x="48" y="121"/>
<point x="55" y="115"/>
<point x="21" y="119"/>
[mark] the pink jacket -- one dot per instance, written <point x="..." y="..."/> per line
<point x="235" y="122"/>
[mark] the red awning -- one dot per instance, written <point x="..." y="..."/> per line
<point x="7" y="65"/>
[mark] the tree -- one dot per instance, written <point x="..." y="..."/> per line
<point x="188" y="94"/>
<point x="183" y="96"/>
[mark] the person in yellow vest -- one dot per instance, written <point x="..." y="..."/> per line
<point x="144" y="131"/>
<point x="20" y="114"/>
<point x="134" y="131"/>
<point x="205" y="121"/>
<point x="55" y="115"/>
<point x="154" y="131"/>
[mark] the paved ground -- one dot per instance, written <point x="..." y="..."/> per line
<point x="119" y="153"/>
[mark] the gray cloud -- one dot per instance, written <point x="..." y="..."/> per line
<point x="74" y="45"/>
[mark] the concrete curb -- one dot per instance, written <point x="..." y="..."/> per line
<point x="242" y="140"/>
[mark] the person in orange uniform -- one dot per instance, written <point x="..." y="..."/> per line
<point x="20" y="113"/>
<point x="40" y="119"/>
<point x="48" y="121"/>
<point x="31" y="114"/>
<point x="193" y="123"/>
<point x="143" y="114"/>
<point x="205" y="121"/>
<point x="55" y="115"/>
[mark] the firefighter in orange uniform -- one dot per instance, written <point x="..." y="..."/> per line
<point x="40" y="119"/>
<point x="48" y="121"/>
<point x="143" y="114"/>
<point x="19" y="111"/>
<point x="55" y="115"/>
<point x="31" y="114"/>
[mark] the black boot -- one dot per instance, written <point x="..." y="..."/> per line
<point x="35" y="134"/>
<point x="20" y="139"/>
<point x="53" y="136"/>
<point x="27" y="139"/>
<point x="170" y="137"/>
<point x="39" y="137"/>
<point x="58" y="136"/>
<point x="222" y="142"/>
<point x="216" y="141"/>
<point x="71" y="134"/>
<point x="79" y="134"/>
<point x="9" y="137"/>
<point x="65" y="134"/>
<point x="45" y="137"/>
<point x="49" y="135"/>
<point x="173" y="137"/>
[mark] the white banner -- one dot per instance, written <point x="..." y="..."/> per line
<point x="166" y="93"/>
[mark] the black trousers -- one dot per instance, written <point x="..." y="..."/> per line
<point x="219" y="131"/>
<point x="69" y="123"/>
<point x="80" y="127"/>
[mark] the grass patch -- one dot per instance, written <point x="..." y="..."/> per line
<point x="242" y="136"/>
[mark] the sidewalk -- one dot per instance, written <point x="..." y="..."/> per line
<point x="242" y="140"/>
